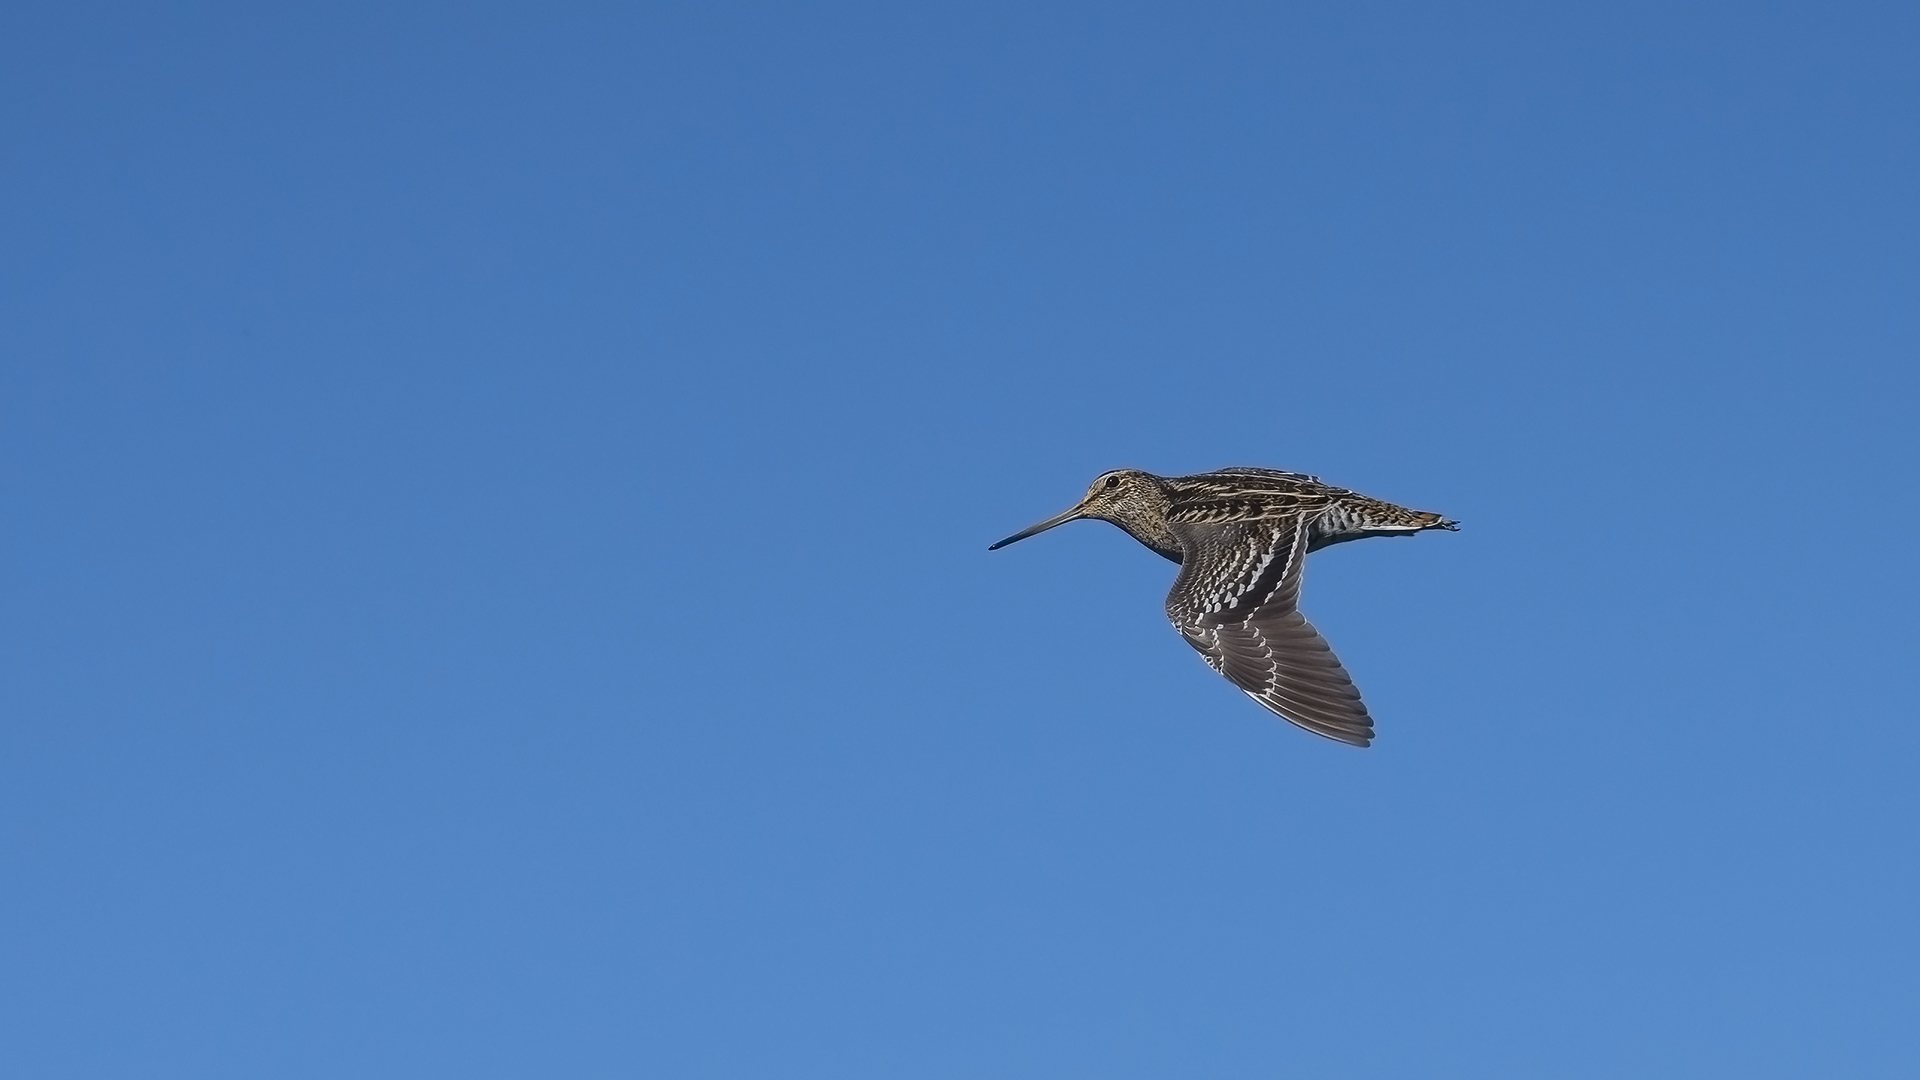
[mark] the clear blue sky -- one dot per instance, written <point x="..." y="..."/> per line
<point x="493" y="573"/>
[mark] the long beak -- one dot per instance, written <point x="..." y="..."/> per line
<point x="1061" y="519"/>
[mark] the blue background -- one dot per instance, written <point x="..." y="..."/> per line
<point x="496" y="498"/>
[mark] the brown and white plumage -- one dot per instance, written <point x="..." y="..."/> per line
<point x="1241" y="537"/>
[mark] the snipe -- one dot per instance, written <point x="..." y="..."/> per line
<point x="1241" y="537"/>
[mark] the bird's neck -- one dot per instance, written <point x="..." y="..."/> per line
<point x="1155" y="535"/>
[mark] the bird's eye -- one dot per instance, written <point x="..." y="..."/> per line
<point x="1112" y="482"/>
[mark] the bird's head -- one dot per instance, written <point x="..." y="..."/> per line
<point x="1129" y="498"/>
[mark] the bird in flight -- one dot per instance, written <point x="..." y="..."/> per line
<point x="1241" y="537"/>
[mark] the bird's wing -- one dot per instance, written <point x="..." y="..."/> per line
<point x="1236" y="601"/>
